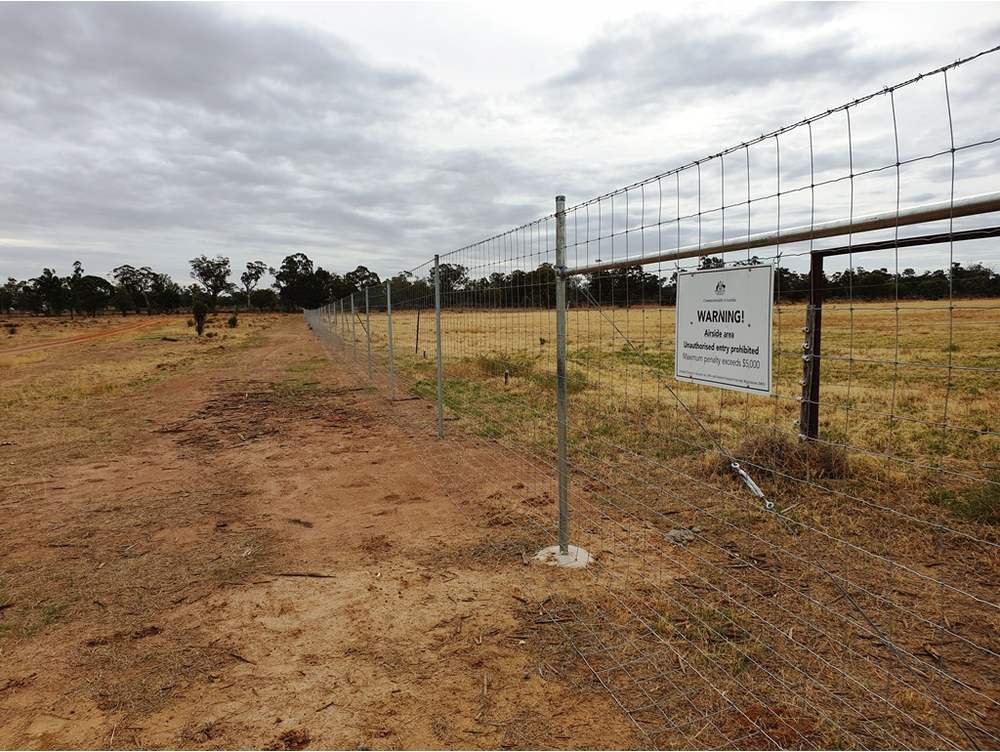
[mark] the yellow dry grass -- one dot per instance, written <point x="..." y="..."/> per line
<point x="919" y="382"/>
<point x="57" y="397"/>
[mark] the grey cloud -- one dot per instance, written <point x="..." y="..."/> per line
<point x="659" y="61"/>
<point x="169" y="56"/>
<point x="800" y="14"/>
<point x="181" y="126"/>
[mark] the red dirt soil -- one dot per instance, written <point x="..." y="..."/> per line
<point x="272" y="563"/>
<point x="108" y="332"/>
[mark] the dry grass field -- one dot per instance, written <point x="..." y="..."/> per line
<point x="918" y="384"/>
<point x="56" y="370"/>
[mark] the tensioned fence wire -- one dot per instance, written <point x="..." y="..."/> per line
<point x="857" y="607"/>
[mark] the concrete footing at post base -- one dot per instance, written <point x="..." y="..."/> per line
<point x="574" y="558"/>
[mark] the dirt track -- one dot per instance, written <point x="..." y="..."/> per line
<point x="272" y="564"/>
<point x="107" y="332"/>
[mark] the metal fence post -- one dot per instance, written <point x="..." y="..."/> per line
<point x="809" y="408"/>
<point x="561" y="372"/>
<point x="416" y="340"/>
<point x="354" y="328"/>
<point x="368" y="333"/>
<point x="388" y="326"/>
<point x="440" y="367"/>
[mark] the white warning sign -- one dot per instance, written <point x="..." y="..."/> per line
<point x="724" y="328"/>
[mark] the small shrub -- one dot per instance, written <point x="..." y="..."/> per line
<point x="576" y="381"/>
<point x="11" y="328"/>
<point x="813" y="460"/>
<point x="982" y="503"/>
<point x="200" y="312"/>
<point x="978" y="503"/>
<point x="190" y="322"/>
<point x="495" y="364"/>
<point x="942" y="497"/>
<point x="232" y="321"/>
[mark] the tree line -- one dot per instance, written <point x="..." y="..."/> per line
<point x="635" y="286"/>
<point x="299" y="283"/>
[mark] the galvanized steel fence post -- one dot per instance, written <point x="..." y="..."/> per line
<point x="561" y="372"/>
<point x="388" y="326"/>
<point x="440" y="367"/>
<point x="354" y="328"/>
<point x="809" y="407"/>
<point x="416" y="339"/>
<point x="368" y="333"/>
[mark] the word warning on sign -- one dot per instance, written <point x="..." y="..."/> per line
<point x="723" y="335"/>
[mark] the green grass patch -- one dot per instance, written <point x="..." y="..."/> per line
<point x="485" y="409"/>
<point x="32" y="621"/>
<point x="661" y="361"/>
<point x="305" y="366"/>
<point x="576" y="381"/>
<point x="589" y="356"/>
<point x="291" y="389"/>
<point x="489" y="430"/>
<point x="497" y="363"/>
<point x="977" y="503"/>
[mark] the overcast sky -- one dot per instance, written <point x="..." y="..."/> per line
<point x="379" y="134"/>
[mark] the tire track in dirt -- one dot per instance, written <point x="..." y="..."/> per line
<point x="80" y="338"/>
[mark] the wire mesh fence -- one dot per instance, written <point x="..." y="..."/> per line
<point x="813" y="567"/>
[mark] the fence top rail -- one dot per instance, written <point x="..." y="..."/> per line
<point x="970" y="205"/>
<point x="984" y="203"/>
<point x="490" y="239"/>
